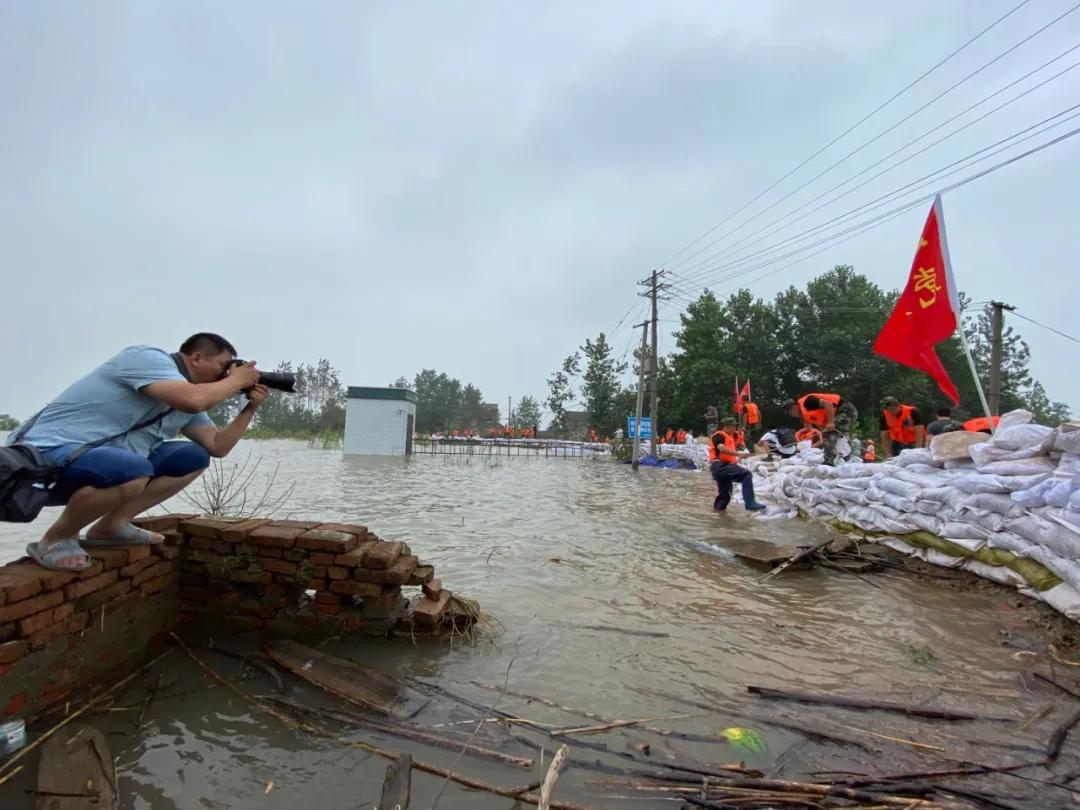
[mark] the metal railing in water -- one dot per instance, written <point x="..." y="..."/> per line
<point x="536" y="448"/>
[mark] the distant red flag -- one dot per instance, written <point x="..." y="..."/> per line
<point x="745" y="391"/>
<point x="738" y="402"/>
<point x="928" y="309"/>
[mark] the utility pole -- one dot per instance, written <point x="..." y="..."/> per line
<point x="509" y="410"/>
<point x="998" y="322"/>
<point x="640" y="396"/>
<point x="654" y="288"/>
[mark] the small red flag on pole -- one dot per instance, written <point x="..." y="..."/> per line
<point x="928" y="310"/>
<point x="745" y="392"/>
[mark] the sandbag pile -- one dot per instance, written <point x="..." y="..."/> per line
<point x="1006" y="508"/>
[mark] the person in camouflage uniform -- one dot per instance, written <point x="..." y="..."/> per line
<point x="833" y="416"/>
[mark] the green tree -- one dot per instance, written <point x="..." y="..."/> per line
<point x="527" y="414"/>
<point x="1045" y="411"/>
<point x="8" y="422"/>
<point x="600" y="384"/>
<point x="443" y="403"/>
<point x="561" y="392"/>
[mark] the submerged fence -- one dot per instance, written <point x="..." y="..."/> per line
<point x="537" y="448"/>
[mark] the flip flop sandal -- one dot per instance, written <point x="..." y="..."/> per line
<point x="128" y="535"/>
<point x="49" y="556"/>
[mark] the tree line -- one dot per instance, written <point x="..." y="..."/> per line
<point x="814" y="339"/>
<point x="445" y="404"/>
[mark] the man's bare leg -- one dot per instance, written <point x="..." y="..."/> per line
<point x="157" y="491"/>
<point x="84" y="506"/>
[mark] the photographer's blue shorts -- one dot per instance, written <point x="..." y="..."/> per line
<point x="106" y="467"/>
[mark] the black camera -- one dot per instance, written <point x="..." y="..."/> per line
<point x="278" y="380"/>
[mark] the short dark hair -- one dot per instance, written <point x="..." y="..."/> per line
<point x="207" y="343"/>
<point x="943" y="412"/>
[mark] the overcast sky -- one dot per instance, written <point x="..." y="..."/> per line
<point x="477" y="187"/>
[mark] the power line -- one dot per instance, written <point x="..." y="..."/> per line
<point x="848" y="131"/>
<point x="939" y="174"/>
<point x="690" y="272"/>
<point x="1044" y="326"/>
<point x="881" y="134"/>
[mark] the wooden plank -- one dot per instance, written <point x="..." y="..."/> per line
<point x="397" y="784"/>
<point x="76" y="771"/>
<point x="348" y="680"/>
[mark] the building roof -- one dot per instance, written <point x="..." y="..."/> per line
<point x="362" y="392"/>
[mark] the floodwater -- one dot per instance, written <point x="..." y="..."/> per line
<point x="551" y="547"/>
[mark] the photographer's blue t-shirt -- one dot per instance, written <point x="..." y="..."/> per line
<point x="109" y="400"/>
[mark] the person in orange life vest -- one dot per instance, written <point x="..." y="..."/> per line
<point x="980" y="424"/>
<point x="830" y="414"/>
<point x="751" y="414"/>
<point x="902" y="427"/>
<point x="809" y="434"/>
<point x="869" y="454"/>
<point x="669" y="437"/>
<point x="680" y="437"/>
<point x="592" y="435"/>
<point x="725" y="470"/>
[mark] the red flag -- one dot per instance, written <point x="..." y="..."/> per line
<point x="745" y="391"/>
<point x="738" y="402"/>
<point x="928" y="309"/>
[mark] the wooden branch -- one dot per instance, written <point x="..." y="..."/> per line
<point x="397" y="785"/>
<point x="797" y="557"/>
<point x="1057" y="739"/>
<point x="548" y="785"/>
<point x="523" y="793"/>
<point x="860" y="703"/>
<point x="561" y="732"/>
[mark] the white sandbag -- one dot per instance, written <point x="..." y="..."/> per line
<point x="995" y="573"/>
<point x="1028" y="466"/>
<point x="988" y="452"/>
<point x="935" y="494"/>
<point x="857" y="484"/>
<point x="851" y="470"/>
<point x="957" y="530"/>
<point x="896" y="486"/>
<point x="928" y="523"/>
<point x="1068" y="570"/>
<point x="1069" y="465"/>
<point x="901" y="505"/>
<point x="1047" y="533"/>
<point x="1013" y="418"/>
<point x="990" y="521"/>
<point x="955" y="444"/>
<point x="915" y="455"/>
<point x="1058" y="491"/>
<point x="1064" y="598"/>
<point x="1009" y="541"/>
<point x="1072" y="516"/>
<point x="1068" y="438"/>
<point x="1035" y="496"/>
<point x="974" y="482"/>
<point x="928" y="507"/>
<point x="969" y="543"/>
<point x="1021" y="437"/>
<point x="1002" y="504"/>
<point x="852" y="496"/>
<point x="1074" y="501"/>
<point x="923" y="469"/>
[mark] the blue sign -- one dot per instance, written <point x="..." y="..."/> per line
<point x="646" y="427"/>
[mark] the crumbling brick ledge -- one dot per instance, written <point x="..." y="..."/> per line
<point x="62" y="633"/>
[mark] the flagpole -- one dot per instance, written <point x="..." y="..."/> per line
<point x="975" y="376"/>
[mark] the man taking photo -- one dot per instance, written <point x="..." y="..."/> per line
<point x="130" y="409"/>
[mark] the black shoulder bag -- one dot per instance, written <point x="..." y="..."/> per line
<point x="27" y="478"/>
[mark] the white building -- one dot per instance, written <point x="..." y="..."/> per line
<point x="379" y="421"/>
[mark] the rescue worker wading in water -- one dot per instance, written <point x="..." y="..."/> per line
<point x="725" y="470"/>
<point x="830" y="414"/>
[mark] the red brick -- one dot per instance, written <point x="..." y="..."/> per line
<point x="204" y="527"/>
<point x="354" y="558"/>
<point x="136" y="553"/>
<point x="110" y="557"/>
<point x="202" y="542"/>
<point x="353" y="622"/>
<point x="131" y="569"/>
<point x="228" y="598"/>
<point x="397" y="574"/>
<point x="324" y="598"/>
<point x="156" y="570"/>
<point x="95" y="568"/>
<point x="19" y="582"/>
<point x="429" y="612"/>
<point x="157" y="584"/>
<point x="382" y="554"/>
<point x="328" y="610"/>
<point x="294" y="554"/>
<point x="317" y="584"/>
<point x="350" y="528"/>
<point x="322" y="540"/>
<point x="277" y="536"/>
<point x="85" y="586"/>
<point x="321" y="558"/>
<point x="72" y="624"/>
<point x="53" y="580"/>
<point x="16" y="704"/>
<point x="28" y="607"/>
<point x="125" y="600"/>
<point x="251" y="577"/>
<point x="302" y="525"/>
<point x="279" y="566"/>
<point x="94" y="600"/>
<point x="239" y="531"/>
<point x="351" y="587"/>
<point x="167" y="552"/>
<point x="433" y="589"/>
<point x="162" y="523"/>
<point x="206" y="557"/>
<point x="309" y="570"/>
<point x="421" y="574"/>
<point x="13" y="650"/>
<point x="337" y="572"/>
<point x="7" y="631"/>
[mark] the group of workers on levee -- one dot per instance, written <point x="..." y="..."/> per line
<point x="826" y="420"/>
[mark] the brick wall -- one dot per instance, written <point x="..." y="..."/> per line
<point x="63" y="632"/>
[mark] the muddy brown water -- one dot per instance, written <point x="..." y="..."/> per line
<point x="549" y="547"/>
